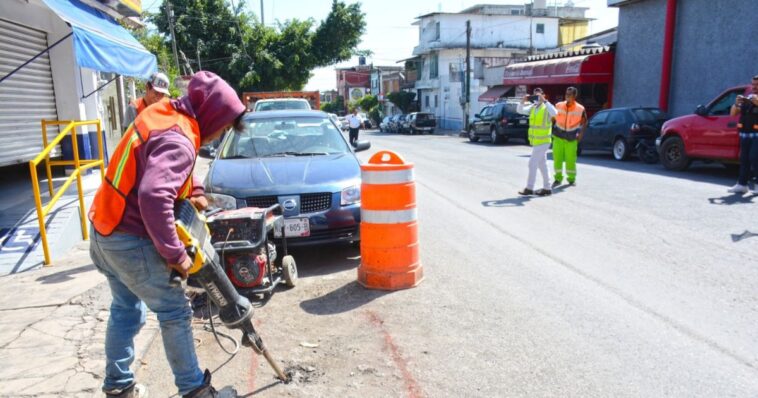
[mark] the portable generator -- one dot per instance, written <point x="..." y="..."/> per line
<point x="241" y="237"/>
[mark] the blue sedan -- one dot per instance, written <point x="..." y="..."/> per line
<point x="300" y="160"/>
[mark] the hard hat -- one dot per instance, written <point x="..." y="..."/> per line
<point x="159" y="81"/>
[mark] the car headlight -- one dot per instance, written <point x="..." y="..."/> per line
<point x="220" y="201"/>
<point x="351" y="195"/>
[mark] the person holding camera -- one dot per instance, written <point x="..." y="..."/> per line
<point x="540" y="113"/>
<point x="747" y="109"/>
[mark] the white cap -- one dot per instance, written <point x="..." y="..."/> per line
<point x="159" y="81"/>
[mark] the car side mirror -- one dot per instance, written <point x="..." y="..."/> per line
<point x="701" y="110"/>
<point x="207" y="152"/>
<point x="476" y="115"/>
<point x="362" y="145"/>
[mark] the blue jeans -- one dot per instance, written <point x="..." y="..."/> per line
<point x="138" y="275"/>
<point x="748" y="157"/>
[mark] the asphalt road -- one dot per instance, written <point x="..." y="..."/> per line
<point x="629" y="284"/>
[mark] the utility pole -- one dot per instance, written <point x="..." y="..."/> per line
<point x="173" y="35"/>
<point x="262" y="22"/>
<point x="197" y="49"/>
<point x="468" y="75"/>
<point x="531" y="20"/>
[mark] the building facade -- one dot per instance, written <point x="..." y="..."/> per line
<point x="499" y="35"/>
<point x="714" y="48"/>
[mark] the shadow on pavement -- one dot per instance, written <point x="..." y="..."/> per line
<point x="64" y="276"/>
<point x="733" y="199"/>
<point x="344" y="299"/>
<point x="323" y="260"/>
<point x="744" y="235"/>
<point x="520" y="201"/>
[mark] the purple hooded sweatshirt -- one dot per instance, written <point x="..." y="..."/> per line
<point x="166" y="160"/>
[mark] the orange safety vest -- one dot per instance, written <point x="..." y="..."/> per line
<point x="568" y="119"/>
<point x="121" y="176"/>
<point x="139" y="104"/>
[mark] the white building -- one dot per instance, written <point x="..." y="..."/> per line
<point x="499" y="34"/>
<point x="49" y="70"/>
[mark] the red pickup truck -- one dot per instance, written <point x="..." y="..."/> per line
<point x="709" y="134"/>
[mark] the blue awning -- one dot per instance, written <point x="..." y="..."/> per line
<point x="100" y="43"/>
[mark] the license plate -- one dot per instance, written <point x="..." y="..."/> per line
<point x="522" y="121"/>
<point x="294" y="227"/>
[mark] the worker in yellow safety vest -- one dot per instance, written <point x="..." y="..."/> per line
<point x="540" y="112"/>
<point x="568" y="130"/>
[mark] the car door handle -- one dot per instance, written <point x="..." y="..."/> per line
<point x="731" y="124"/>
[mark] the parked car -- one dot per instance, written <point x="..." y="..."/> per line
<point x="343" y="123"/>
<point x="385" y="124"/>
<point x="297" y="159"/>
<point x="367" y="124"/>
<point x="499" y="122"/>
<point x="620" y="130"/>
<point x="335" y="119"/>
<point x="404" y="124"/>
<point x="279" y="104"/>
<point x="394" y="123"/>
<point x="709" y="134"/>
<point x="421" y="122"/>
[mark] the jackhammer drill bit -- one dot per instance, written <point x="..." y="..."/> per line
<point x="253" y="340"/>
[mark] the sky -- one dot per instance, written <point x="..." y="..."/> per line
<point x="389" y="33"/>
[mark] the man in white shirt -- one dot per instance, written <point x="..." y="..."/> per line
<point x="540" y="112"/>
<point x="354" y="124"/>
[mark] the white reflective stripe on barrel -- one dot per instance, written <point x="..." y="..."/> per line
<point x="387" y="177"/>
<point x="388" y="216"/>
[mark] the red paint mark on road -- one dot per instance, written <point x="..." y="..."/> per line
<point x="414" y="390"/>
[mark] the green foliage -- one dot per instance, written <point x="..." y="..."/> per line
<point x="403" y="100"/>
<point x="376" y="114"/>
<point x="336" y="106"/>
<point x="366" y="103"/>
<point x="155" y="43"/>
<point x="254" y="57"/>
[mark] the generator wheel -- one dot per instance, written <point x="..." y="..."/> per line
<point x="290" y="271"/>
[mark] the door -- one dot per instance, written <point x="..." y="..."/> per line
<point x="26" y="97"/>
<point x="615" y="126"/>
<point x="714" y="135"/>
<point x="595" y="130"/>
<point x="480" y="122"/>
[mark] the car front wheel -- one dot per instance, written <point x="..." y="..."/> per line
<point x="496" y="138"/>
<point x="673" y="156"/>
<point x="472" y="135"/>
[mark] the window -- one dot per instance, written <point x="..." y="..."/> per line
<point x="722" y="105"/>
<point x="515" y="11"/>
<point x="540" y="28"/>
<point x="435" y="100"/>
<point x="434" y="66"/>
<point x="599" y="119"/>
<point x="437" y="31"/>
<point x="616" y="117"/>
<point x="426" y="101"/>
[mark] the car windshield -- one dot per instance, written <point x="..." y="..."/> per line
<point x="423" y="116"/>
<point x="281" y="105"/>
<point x="649" y="114"/>
<point x="285" y="136"/>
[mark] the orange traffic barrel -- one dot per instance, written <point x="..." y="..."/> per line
<point x="389" y="224"/>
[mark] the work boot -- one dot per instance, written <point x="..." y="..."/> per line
<point x="526" y="192"/>
<point x="204" y="391"/>
<point x="738" y="188"/>
<point x="572" y="183"/>
<point x="556" y="184"/>
<point x="133" y="391"/>
<point x="544" y="192"/>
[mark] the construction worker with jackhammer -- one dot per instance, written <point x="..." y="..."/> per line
<point x="568" y="130"/>
<point x="134" y="240"/>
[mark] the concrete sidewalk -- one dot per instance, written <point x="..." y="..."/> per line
<point x="52" y="329"/>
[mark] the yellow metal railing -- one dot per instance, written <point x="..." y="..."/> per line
<point x="79" y="166"/>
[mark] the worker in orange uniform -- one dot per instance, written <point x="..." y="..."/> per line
<point x="155" y="90"/>
<point x="568" y="129"/>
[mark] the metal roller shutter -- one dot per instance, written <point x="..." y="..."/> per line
<point x="27" y="96"/>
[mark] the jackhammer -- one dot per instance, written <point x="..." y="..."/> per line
<point x="235" y="311"/>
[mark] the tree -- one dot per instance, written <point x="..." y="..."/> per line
<point x="403" y="100"/>
<point x="254" y="57"/>
<point x="155" y="43"/>
<point x="366" y="102"/>
<point x="335" y="106"/>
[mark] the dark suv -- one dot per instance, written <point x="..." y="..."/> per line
<point x="500" y="122"/>
<point x="421" y="122"/>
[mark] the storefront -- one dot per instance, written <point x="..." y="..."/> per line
<point x="590" y="71"/>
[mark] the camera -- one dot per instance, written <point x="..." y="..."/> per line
<point x="534" y="98"/>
